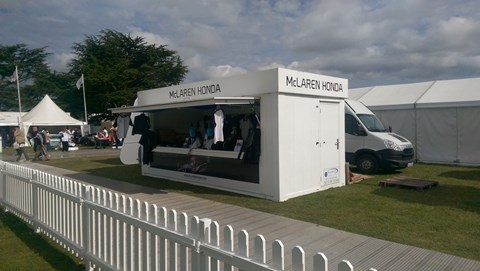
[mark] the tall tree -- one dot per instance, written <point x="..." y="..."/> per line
<point x="116" y="66"/>
<point x="33" y="73"/>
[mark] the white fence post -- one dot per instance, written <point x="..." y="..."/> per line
<point x="243" y="245"/>
<point x="144" y="247"/>
<point x="298" y="259"/>
<point x="260" y="255"/>
<point x="204" y="237"/>
<point x="3" y="184"/>
<point x="345" y="266"/>
<point x="228" y="245"/>
<point x="136" y="244"/>
<point x="162" y="222"/>
<point x="130" y="238"/>
<point x="194" y="227"/>
<point x="320" y="262"/>
<point x="154" y="240"/>
<point x="215" y="240"/>
<point x="278" y="255"/>
<point x="86" y="220"/>
<point x="35" y="203"/>
<point x="172" y="225"/>
<point x="183" y="229"/>
<point x="113" y="201"/>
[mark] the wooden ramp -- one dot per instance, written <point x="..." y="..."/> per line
<point x="407" y="182"/>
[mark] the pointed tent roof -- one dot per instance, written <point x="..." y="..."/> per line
<point x="47" y="113"/>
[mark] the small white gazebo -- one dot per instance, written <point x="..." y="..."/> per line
<point x="47" y="113"/>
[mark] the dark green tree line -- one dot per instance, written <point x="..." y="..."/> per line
<point x="115" y="67"/>
<point x="35" y="78"/>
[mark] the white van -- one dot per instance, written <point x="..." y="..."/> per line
<point x="369" y="146"/>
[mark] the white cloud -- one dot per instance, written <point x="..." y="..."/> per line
<point x="272" y="65"/>
<point x="51" y="19"/>
<point x="287" y="6"/>
<point x="194" y="62"/>
<point x="59" y="61"/>
<point x="149" y="37"/>
<point x="203" y="38"/>
<point x="365" y="41"/>
<point x="224" y="71"/>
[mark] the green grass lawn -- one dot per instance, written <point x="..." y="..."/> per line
<point x="445" y="218"/>
<point x="22" y="249"/>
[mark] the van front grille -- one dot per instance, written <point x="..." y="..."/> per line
<point x="408" y="153"/>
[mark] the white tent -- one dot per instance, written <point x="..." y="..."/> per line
<point x="47" y="113"/>
<point x="9" y="118"/>
<point x="440" y="118"/>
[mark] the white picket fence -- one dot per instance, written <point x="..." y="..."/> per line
<point x="114" y="232"/>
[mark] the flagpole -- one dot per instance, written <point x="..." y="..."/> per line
<point x="84" y="100"/>
<point x="19" y="100"/>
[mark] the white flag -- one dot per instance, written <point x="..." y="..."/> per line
<point x="80" y="82"/>
<point x="13" y="77"/>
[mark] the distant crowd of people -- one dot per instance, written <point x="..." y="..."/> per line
<point x="41" y="140"/>
<point x="106" y="138"/>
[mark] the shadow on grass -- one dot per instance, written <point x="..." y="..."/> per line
<point x="109" y="161"/>
<point x="456" y="196"/>
<point x="123" y="187"/>
<point x="468" y="175"/>
<point x="55" y="256"/>
<point x="128" y="179"/>
<point x="380" y="172"/>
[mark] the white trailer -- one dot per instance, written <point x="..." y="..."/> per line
<point x="297" y="121"/>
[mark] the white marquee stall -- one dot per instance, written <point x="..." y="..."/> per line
<point x="47" y="113"/>
<point x="440" y="118"/>
<point x="10" y="118"/>
<point x="296" y="120"/>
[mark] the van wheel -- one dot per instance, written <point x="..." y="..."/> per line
<point x="367" y="164"/>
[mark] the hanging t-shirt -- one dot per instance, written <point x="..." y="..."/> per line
<point x="141" y="124"/>
<point x="218" y="132"/>
<point x="122" y="126"/>
<point x="245" y="126"/>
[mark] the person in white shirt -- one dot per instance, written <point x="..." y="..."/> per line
<point x="65" y="138"/>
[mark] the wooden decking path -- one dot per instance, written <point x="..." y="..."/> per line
<point x="363" y="252"/>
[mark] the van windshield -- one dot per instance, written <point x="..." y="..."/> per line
<point x="372" y="123"/>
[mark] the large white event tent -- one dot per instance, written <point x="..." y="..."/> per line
<point x="440" y="118"/>
<point x="47" y="113"/>
<point x="9" y="118"/>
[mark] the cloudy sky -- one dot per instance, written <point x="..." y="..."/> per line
<point x="369" y="42"/>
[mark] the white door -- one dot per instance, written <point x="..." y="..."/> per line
<point x="329" y="143"/>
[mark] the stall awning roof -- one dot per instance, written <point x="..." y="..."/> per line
<point x="187" y="103"/>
